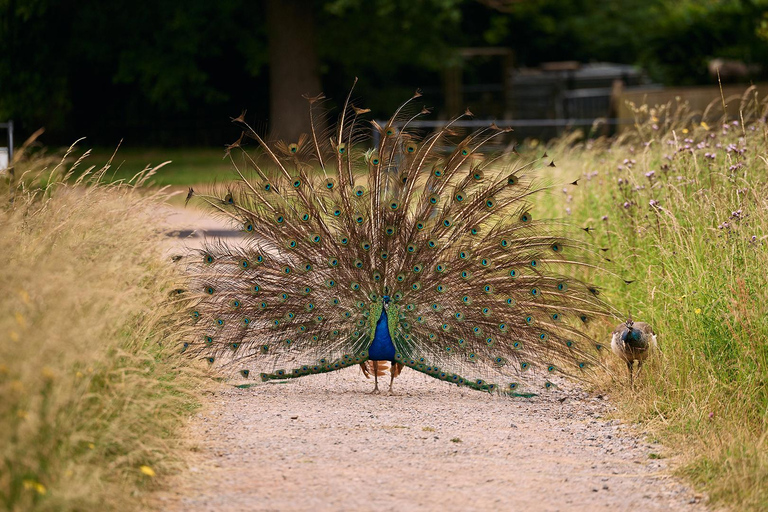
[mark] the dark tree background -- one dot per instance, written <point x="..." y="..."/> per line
<point x="164" y="72"/>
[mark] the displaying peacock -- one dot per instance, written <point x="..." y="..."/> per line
<point x="421" y="251"/>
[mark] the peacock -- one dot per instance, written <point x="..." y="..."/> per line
<point x="633" y="341"/>
<point x="419" y="252"/>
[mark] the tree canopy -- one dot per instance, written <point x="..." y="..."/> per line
<point x="168" y="72"/>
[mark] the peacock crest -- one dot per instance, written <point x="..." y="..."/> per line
<point x="406" y="252"/>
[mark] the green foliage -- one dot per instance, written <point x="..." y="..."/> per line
<point x="166" y="72"/>
<point x="672" y="39"/>
<point x="680" y="206"/>
<point x="92" y="391"/>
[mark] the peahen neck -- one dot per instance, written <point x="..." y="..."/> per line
<point x="382" y="348"/>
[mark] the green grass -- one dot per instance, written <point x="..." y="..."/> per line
<point x="93" y="389"/>
<point x="188" y="166"/>
<point x="682" y="209"/>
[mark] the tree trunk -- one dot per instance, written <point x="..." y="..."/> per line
<point x="293" y="66"/>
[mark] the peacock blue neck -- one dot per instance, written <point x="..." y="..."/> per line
<point x="632" y="335"/>
<point x="382" y="348"/>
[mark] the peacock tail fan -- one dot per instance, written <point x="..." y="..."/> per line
<point x="436" y="245"/>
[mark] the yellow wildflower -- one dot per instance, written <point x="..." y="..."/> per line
<point x="697" y="311"/>
<point x="91" y="446"/>
<point x="79" y="375"/>
<point x="685" y="130"/>
<point x="704" y="125"/>
<point x="147" y="471"/>
<point x="37" y="486"/>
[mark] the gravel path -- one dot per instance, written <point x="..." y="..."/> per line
<point x="323" y="443"/>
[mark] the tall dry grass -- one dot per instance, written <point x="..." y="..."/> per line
<point x="92" y="390"/>
<point x="680" y="205"/>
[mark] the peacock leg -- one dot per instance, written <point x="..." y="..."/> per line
<point x="392" y="379"/>
<point x="631" y="377"/>
<point x="375" y="378"/>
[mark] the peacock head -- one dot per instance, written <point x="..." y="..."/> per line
<point x="385" y="299"/>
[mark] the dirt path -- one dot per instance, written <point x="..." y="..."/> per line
<point x="323" y="443"/>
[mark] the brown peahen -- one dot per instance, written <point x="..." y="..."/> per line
<point x="421" y="251"/>
<point x="633" y="341"/>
